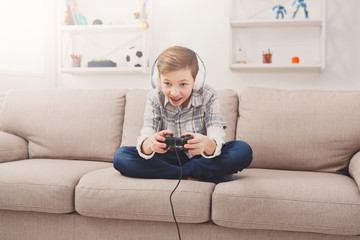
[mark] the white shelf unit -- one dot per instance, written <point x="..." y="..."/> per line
<point x="105" y="41"/>
<point x="315" y="54"/>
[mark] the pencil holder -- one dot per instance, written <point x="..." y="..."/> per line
<point x="76" y="62"/>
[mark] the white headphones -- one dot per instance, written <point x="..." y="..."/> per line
<point x="199" y="79"/>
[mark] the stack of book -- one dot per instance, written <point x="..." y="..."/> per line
<point x="73" y="15"/>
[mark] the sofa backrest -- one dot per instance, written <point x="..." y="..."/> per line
<point x="135" y="107"/>
<point x="306" y="130"/>
<point x="134" y="116"/>
<point x="66" y="123"/>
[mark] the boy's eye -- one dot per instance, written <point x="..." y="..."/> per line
<point x="167" y="83"/>
<point x="183" y="84"/>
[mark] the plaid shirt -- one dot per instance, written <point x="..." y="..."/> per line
<point x="201" y="115"/>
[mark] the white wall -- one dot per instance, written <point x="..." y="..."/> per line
<point x="203" y="25"/>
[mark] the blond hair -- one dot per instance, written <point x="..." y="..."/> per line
<point x="176" y="58"/>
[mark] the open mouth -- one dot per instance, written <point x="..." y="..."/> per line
<point x="175" y="100"/>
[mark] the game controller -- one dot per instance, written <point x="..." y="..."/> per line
<point x="175" y="143"/>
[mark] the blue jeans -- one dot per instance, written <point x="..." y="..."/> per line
<point x="234" y="157"/>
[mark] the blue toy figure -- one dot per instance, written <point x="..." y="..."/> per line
<point x="301" y="3"/>
<point x="280" y="10"/>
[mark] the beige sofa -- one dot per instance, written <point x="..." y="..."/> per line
<point x="57" y="179"/>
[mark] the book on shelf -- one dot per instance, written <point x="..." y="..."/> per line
<point x="71" y="18"/>
<point x="72" y="15"/>
<point x="81" y="20"/>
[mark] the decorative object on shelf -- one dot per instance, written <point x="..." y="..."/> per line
<point x="142" y="16"/>
<point x="134" y="57"/>
<point x="136" y="15"/>
<point x="301" y="3"/>
<point x="267" y="56"/>
<point x="143" y="25"/>
<point x="279" y="10"/>
<point x="101" y="63"/>
<point x="241" y="56"/>
<point x="295" y="60"/>
<point x="76" y="60"/>
<point x="97" y="22"/>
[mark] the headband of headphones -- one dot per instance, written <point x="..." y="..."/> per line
<point x="199" y="79"/>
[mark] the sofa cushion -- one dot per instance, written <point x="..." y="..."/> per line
<point x="89" y="228"/>
<point x="288" y="201"/>
<point x="229" y="103"/>
<point x="354" y="168"/>
<point x="134" y="116"/>
<point x="135" y="108"/>
<point x="42" y="185"/>
<point x="66" y="123"/>
<point x="141" y="199"/>
<point x="12" y="147"/>
<point x="300" y="129"/>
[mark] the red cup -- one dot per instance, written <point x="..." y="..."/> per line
<point x="267" y="57"/>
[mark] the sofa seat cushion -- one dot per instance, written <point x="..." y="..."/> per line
<point x="289" y="201"/>
<point x="106" y="193"/>
<point x="66" y="123"/>
<point x="42" y="185"/>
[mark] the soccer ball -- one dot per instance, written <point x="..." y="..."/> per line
<point x="134" y="57"/>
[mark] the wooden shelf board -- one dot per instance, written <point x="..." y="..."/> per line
<point x="275" y="23"/>
<point x="103" y="69"/>
<point x="103" y="28"/>
<point x="249" y="66"/>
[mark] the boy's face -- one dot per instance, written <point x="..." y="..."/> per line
<point x="177" y="86"/>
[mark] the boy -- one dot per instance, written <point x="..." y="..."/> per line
<point x="183" y="105"/>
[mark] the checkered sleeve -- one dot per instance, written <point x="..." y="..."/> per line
<point x="215" y="124"/>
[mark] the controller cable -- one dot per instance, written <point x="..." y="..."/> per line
<point x="180" y="177"/>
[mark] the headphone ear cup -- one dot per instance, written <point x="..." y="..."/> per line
<point x="200" y="76"/>
<point x="199" y="81"/>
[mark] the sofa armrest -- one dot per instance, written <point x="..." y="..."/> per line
<point x="12" y="148"/>
<point x="354" y="168"/>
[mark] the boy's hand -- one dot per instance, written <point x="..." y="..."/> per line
<point x="155" y="143"/>
<point x="200" y="144"/>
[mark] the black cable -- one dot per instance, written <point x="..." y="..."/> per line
<point x="172" y="207"/>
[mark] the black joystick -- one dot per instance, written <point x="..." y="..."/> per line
<point x="175" y="143"/>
